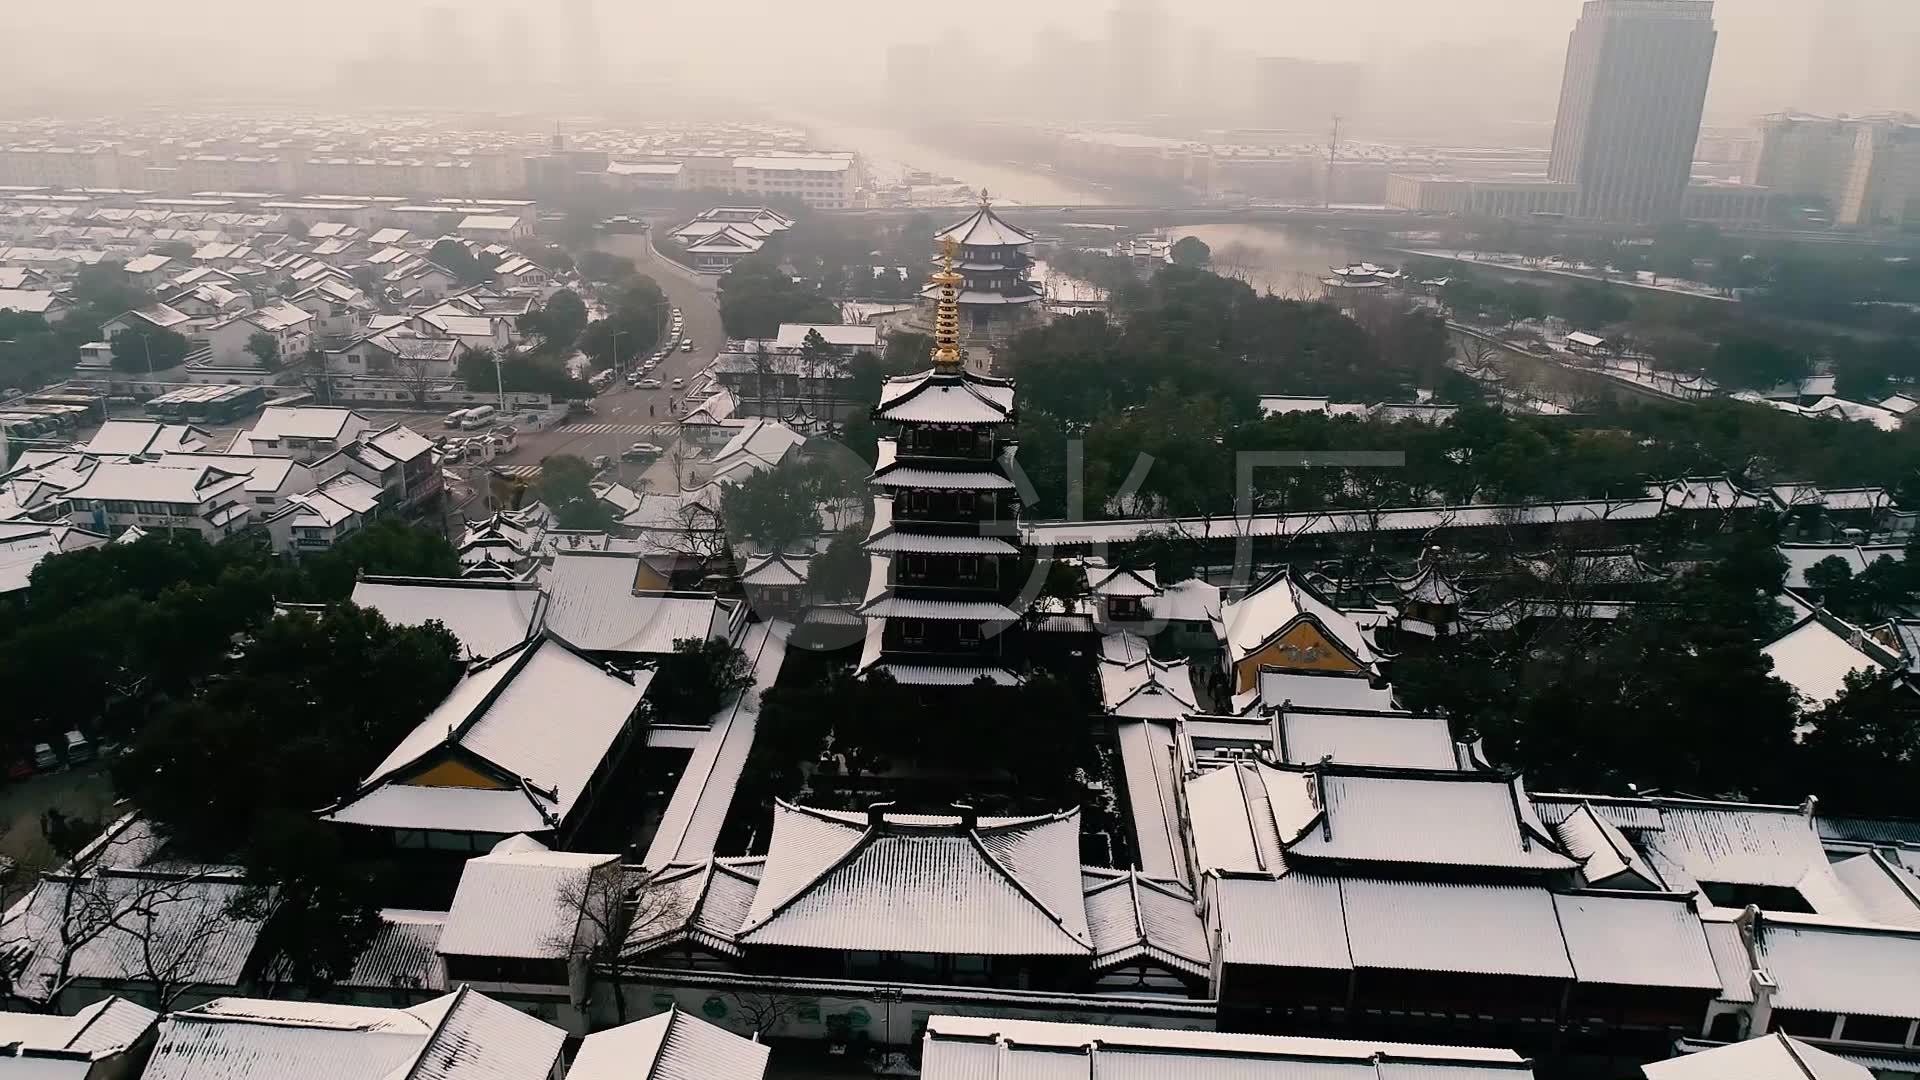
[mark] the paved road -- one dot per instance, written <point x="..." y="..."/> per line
<point x="624" y="416"/>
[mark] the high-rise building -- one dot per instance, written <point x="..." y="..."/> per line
<point x="1867" y="168"/>
<point x="1136" y="40"/>
<point x="1630" y="104"/>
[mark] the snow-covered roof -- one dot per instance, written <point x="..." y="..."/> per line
<point x="669" y="1046"/>
<point x="1192" y="600"/>
<point x="99" y="1030"/>
<point x="1608" y="859"/>
<point x="464" y="1035"/>
<point x="1146" y="688"/>
<point x="173" y="923"/>
<point x="1350" y="691"/>
<point x="1699" y="844"/>
<point x="593" y="603"/>
<point x="147" y="481"/>
<point x="794" y="335"/>
<point x="1803" y="557"/>
<point x="933" y="397"/>
<point x="24" y="544"/>
<point x="533" y="725"/>
<point x="1274" y="606"/>
<point x="1243" y="816"/>
<point x="1839" y="969"/>
<point x="1148" y="767"/>
<point x="1104" y="580"/>
<point x="984" y="228"/>
<point x="921" y="883"/>
<point x="306" y="422"/>
<point x="522" y="900"/>
<point x="965" y="1047"/>
<point x="1134" y="917"/>
<point x="775" y="570"/>
<point x="1636" y="941"/>
<point x="489" y="617"/>
<point x="1394" y="740"/>
<point x="1815" y="660"/>
<point x="1776" y="1056"/>
<point x="1437" y="819"/>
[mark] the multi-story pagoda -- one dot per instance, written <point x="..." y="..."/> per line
<point x="996" y="297"/>
<point x="942" y="598"/>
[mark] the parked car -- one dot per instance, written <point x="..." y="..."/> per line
<point x="642" y="451"/>
<point x="44" y="758"/>
<point x="78" y="748"/>
<point x="602" y="462"/>
<point x="648" y="384"/>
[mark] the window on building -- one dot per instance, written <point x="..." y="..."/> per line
<point x="913" y="631"/>
<point x="1876" y="1029"/>
<point x="1807" y="1025"/>
<point x="1782" y="898"/>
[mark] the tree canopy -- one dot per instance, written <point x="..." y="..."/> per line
<point x="566" y="488"/>
<point x="151" y="349"/>
<point x="756" y="297"/>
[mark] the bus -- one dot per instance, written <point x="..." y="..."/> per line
<point x="456" y="418"/>
<point x="478" y="416"/>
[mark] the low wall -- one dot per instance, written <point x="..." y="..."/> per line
<point x="894" y="1015"/>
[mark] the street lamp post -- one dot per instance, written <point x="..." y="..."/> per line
<point x="613" y="343"/>
<point x="146" y="343"/>
<point x="500" y="383"/>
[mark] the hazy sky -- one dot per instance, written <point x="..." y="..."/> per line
<point x="1766" y="50"/>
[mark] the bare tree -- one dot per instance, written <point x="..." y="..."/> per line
<point x="613" y="909"/>
<point x="765" y="1010"/>
<point x="171" y="924"/>
<point x="156" y="923"/>
<point x="416" y="372"/>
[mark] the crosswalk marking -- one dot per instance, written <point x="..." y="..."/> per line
<point x="618" y="429"/>
<point x="528" y="471"/>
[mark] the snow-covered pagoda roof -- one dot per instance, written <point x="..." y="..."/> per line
<point x="934" y="397"/>
<point x="985" y="229"/>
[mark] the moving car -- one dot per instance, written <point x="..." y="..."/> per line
<point x="602" y="462"/>
<point x="687" y="345"/>
<point x="648" y="384"/>
<point x="679" y="384"/>
<point x="642" y="451"/>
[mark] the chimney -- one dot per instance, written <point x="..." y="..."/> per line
<point x="877" y="814"/>
<point x="969" y="817"/>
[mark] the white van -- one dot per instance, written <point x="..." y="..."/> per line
<point x="478" y="416"/>
<point x="454" y="418"/>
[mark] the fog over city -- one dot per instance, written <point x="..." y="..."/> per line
<point x="1447" y="68"/>
<point x="1000" y="540"/>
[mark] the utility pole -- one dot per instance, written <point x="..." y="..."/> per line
<point x="500" y="383"/>
<point x="1333" y="149"/>
<point x="146" y="342"/>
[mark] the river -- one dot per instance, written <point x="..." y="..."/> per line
<point x="887" y="153"/>
<point x="1284" y="260"/>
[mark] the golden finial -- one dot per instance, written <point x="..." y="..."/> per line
<point x="986" y="200"/>
<point x="946" y="321"/>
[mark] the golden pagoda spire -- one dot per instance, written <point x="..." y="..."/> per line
<point x="946" y="322"/>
